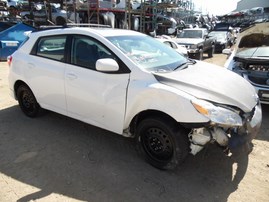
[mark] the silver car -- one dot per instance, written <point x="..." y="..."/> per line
<point x="250" y="58"/>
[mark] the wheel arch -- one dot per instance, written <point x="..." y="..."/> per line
<point x="201" y="47"/>
<point x="17" y="85"/>
<point x="161" y="140"/>
<point x="149" y="113"/>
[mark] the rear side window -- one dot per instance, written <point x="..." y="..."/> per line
<point x="52" y="47"/>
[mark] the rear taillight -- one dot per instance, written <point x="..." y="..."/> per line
<point x="9" y="60"/>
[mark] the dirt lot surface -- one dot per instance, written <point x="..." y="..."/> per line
<point x="55" y="158"/>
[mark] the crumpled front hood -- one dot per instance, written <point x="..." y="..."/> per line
<point x="188" y="40"/>
<point x="213" y="83"/>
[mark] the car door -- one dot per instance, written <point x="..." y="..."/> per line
<point x="45" y="72"/>
<point x="98" y="98"/>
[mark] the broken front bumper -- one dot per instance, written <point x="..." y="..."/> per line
<point x="227" y="138"/>
<point x="253" y="125"/>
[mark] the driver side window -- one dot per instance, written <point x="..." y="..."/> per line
<point x="86" y="51"/>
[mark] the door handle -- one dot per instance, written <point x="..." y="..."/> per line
<point x="71" y="76"/>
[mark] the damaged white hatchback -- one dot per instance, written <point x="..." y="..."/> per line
<point x="131" y="84"/>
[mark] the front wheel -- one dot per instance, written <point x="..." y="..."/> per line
<point x="162" y="143"/>
<point x="27" y="101"/>
<point x="211" y="51"/>
<point x="199" y="55"/>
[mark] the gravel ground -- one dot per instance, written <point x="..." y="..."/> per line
<point x="55" y="158"/>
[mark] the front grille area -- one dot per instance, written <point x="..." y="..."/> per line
<point x="261" y="68"/>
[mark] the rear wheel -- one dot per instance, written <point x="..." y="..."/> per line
<point x="162" y="143"/>
<point x="27" y="101"/>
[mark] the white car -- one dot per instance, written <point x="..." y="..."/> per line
<point x="131" y="84"/>
<point x="12" y="3"/>
<point x="179" y="48"/>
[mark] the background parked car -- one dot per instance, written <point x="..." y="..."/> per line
<point x="41" y="15"/>
<point x="223" y="40"/>
<point x="250" y="58"/>
<point x="197" y="42"/>
<point x="170" y="42"/>
<point x="12" y="3"/>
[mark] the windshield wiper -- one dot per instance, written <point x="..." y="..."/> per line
<point x="185" y="64"/>
<point x="181" y="65"/>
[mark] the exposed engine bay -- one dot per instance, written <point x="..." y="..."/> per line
<point x="251" y="60"/>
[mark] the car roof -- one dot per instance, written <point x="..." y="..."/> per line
<point x="105" y="32"/>
<point x="195" y="29"/>
<point x="163" y="39"/>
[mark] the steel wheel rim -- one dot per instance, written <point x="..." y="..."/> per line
<point x="157" y="144"/>
<point x="28" y="101"/>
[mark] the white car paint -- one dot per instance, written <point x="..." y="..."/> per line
<point x="172" y="43"/>
<point x="112" y="101"/>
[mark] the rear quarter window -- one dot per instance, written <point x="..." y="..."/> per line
<point x="52" y="47"/>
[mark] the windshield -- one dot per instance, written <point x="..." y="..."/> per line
<point x="148" y="53"/>
<point x="221" y="36"/>
<point x="190" y="34"/>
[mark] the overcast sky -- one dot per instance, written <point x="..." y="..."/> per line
<point x="215" y="7"/>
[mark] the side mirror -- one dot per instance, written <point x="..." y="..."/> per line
<point x="227" y="51"/>
<point x="107" y="65"/>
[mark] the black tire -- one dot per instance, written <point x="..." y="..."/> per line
<point x="27" y="101"/>
<point x="162" y="143"/>
<point x="199" y="55"/>
<point x="211" y="51"/>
